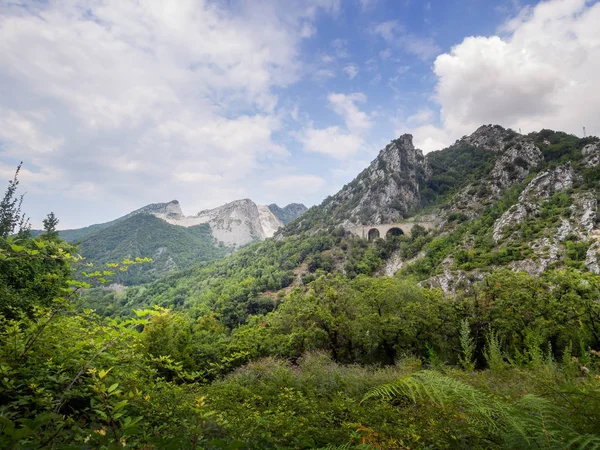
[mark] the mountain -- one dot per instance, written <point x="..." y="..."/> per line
<point x="174" y="241"/>
<point x="495" y="199"/>
<point x="239" y="222"/>
<point x="385" y="192"/>
<point x="171" y="208"/>
<point x="289" y="212"/>
<point x="170" y="247"/>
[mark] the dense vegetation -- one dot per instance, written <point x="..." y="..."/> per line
<point x="297" y="342"/>
<point x="367" y="363"/>
<point x="146" y="236"/>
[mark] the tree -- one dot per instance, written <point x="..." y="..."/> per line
<point x="50" y="223"/>
<point x="11" y="218"/>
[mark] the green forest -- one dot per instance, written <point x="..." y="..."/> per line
<point x="236" y="354"/>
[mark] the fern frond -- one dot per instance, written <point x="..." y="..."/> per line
<point x="584" y="442"/>
<point x="428" y="386"/>
<point x="533" y="421"/>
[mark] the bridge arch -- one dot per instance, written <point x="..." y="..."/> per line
<point x="394" y="231"/>
<point x="374" y="231"/>
<point x="373" y="234"/>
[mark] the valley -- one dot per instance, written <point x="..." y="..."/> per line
<point x="439" y="300"/>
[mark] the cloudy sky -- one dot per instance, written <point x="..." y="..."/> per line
<point x="114" y="104"/>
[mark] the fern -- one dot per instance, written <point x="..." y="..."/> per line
<point x="532" y="422"/>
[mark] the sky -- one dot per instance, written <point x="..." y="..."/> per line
<point x="115" y="104"/>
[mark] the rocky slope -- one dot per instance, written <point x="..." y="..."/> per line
<point x="385" y="192"/>
<point x="174" y="241"/>
<point x="540" y="207"/>
<point x="289" y="212"/>
<point x="237" y="223"/>
<point x="500" y="199"/>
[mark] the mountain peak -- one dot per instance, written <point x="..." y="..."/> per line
<point x="490" y="137"/>
<point x="288" y="212"/>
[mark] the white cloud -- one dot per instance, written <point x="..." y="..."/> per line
<point x="331" y="141"/>
<point x="394" y="33"/>
<point x="308" y="30"/>
<point x="385" y="54"/>
<point x="351" y="71"/>
<point x="340" y="47"/>
<point x="423" y="116"/>
<point x="22" y="134"/>
<point x="297" y="185"/>
<point x="388" y="30"/>
<point x="323" y="74"/>
<point x="366" y="5"/>
<point x="142" y="94"/>
<point x="543" y="73"/>
<point x="345" y="106"/>
<point x="335" y="141"/>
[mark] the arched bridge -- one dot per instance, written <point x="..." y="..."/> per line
<point x="384" y="230"/>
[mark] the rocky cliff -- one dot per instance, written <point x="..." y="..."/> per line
<point x="499" y="199"/>
<point x="236" y="223"/>
<point x="385" y="192"/>
<point x="536" y="209"/>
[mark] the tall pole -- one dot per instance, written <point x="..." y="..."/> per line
<point x="584" y="134"/>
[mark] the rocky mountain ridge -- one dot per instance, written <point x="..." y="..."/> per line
<point x="174" y="241"/>
<point x="236" y="223"/>
<point x="500" y="201"/>
<point x="500" y="198"/>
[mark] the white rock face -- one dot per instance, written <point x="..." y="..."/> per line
<point x="269" y="222"/>
<point x="234" y="224"/>
<point x="592" y="258"/>
<point x="540" y="188"/>
<point x="591" y="155"/>
<point x="547" y="183"/>
<point x="512" y="166"/>
<point x="386" y="190"/>
<point x="487" y="136"/>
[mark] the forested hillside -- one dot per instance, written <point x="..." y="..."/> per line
<point x="482" y="332"/>
<point x="170" y="247"/>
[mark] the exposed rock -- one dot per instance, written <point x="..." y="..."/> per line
<point x="564" y="229"/>
<point x="527" y="265"/>
<point x="584" y="211"/>
<point x="515" y="214"/>
<point x="591" y="155"/>
<point x="592" y="258"/>
<point x="512" y="166"/>
<point x="389" y="185"/>
<point x="269" y="222"/>
<point x="393" y="264"/>
<point x="384" y="192"/>
<point x="234" y="224"/>
<point x="491" y="137"/>
<point x="452" y="281"/>
<point x="542" y="187"/>
<point x="547" y="250"/>
<point x="547" y="183"/>
<point x="171" y="210"/>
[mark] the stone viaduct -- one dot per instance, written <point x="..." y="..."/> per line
<point x="383" y="230"/>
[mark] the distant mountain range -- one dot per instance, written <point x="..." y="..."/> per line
<point x="160" y="231"/>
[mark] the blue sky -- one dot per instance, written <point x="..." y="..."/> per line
<point x="115" y="104"/>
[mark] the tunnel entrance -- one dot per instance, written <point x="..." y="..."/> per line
<point x="394" y="232"/>
<point x="373" y="234"/>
